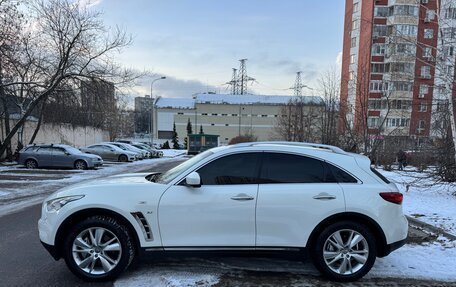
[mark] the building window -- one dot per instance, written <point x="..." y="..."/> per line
<point x="404" y="10"/>
<point x="352" y="58"/>
<point x="404" y="29"/>
<point x="428" y="33"/>
<point x="212" y="124"/>
<point x="180" y="113"/>
<point x="449" y="70"/>
<point x="424" y="89"/>
<point x="351" y="75"/>
<point x="353" y="42"/>
<point x="375" y="104"/>
<point x="421" y="126"/>
<point x="372" y="122"/>
<point x="378" y="86"/>
<point x="355" y="24"/>
<point x="380" y="30"/>
<point x="378" y="49"/>
<point x="379" y="68"/>
<point x="448" y="50"/>
<point x="399" y="67"/>
<point x="449" y="32"/>
<point x="402" y="86"/>
<point x="264" y="116"/>
<point x="214" y="114"/>
<point x="426" y="72"/>
<point x="204" y="114"/>
<point x="224" y="115"/>
<point x="450" y="13"/>
<point x="234" y="115"/>
<point x="430" y="15"/>
<point x="226" y="125"/>
<point x="381" y="11"/>
<point x="427" y="52"/>
<point x="397" y="122"/>
<point x="422" y="107"/>
<point x="355" y="7"/>
<point x="403" y="48"/>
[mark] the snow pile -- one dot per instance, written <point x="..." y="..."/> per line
<point x="173" y="152"/>
<point x="426" y="200"/>
<point x="175" y="103"/>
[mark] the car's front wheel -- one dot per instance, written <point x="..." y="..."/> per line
<point x="98" y="249"/>
<point x="80" y="164"/>
<point x="31" y="163"/>
<point x="344" y="251"/>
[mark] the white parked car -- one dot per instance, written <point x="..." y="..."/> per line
<point x="255" y="197"/>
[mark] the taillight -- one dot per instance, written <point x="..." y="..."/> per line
<point x="394" y="197"/>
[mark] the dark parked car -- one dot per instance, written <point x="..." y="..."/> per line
<point x="57" y="155"/>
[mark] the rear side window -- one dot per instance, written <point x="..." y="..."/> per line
<point x="288" y="168"/>
<point x="380" y="175"/>
<point x="338" y="175"/>
<point x="232" y="169"/>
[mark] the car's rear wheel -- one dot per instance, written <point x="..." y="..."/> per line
<point x="31" y="163"/>
<point x="98" y="249"/>
<point x="123" y="158"/>
<point x="344" y="251"/>
<point x="80" y="164"/>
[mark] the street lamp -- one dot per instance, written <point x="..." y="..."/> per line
<point x="153" y="106"/>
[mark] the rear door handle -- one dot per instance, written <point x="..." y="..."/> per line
<point x="242" y="197"/>
<point x="324" y="196"/>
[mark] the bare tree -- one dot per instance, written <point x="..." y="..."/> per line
<point x="329" y="88"/>
<point x="62" y="44"/>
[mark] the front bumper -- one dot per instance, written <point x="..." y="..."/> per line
<point x="52" y="250"/>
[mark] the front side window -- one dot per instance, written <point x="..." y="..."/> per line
<point x="232" y="169"/>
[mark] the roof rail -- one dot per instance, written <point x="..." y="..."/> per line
<point x="334" y="149"/>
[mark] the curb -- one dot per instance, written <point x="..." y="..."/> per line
<point x="430" y="227"/>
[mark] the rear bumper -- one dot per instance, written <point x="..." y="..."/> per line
<point x="392" y="246"/>
<point x="52" y="250"/>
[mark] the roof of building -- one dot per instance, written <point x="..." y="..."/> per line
<point x="188" y="103"/>
<point x="175" y="103"/>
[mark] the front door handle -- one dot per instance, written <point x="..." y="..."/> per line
<point x="242" y="197"/>
<point x="324" y="196"/>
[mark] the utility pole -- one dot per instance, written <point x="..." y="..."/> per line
<point x="233" y="82"/>
<point x="242" y="78"/>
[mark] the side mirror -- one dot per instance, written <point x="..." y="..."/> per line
<point x="193" y="180"/>
<point x="67" y="153"/>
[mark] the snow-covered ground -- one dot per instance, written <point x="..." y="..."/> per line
<point x="173" y="152"/>
<point x="425" y="199"/>
<point x="20" y="187"/>
<point x="434" y="261"/>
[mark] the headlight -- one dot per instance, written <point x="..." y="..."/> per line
<point x="56" y="204"/>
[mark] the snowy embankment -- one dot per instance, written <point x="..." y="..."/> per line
<point x="426" y="199"/>
<point x="173" y="152"/>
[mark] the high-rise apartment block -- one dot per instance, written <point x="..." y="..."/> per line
<point x="397" y="67"/>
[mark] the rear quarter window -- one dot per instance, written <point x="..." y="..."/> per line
<point x="379" y="175"/>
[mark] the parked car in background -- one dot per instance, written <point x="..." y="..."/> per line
<point x="57" y="155"/>
<point x="140" y="153"/>
<point x="153" y="152"/>
<point x="110" y="152"/>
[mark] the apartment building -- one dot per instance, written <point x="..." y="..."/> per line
<point x="397" y="66"/>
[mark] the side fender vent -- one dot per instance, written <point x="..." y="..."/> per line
<point x="145" y="227"/>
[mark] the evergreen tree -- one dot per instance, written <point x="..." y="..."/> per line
<point x="175" y="139"/>
<point x="165" y="145"/>
<point x="201" y="129"/>
<point x="189" y="127"/>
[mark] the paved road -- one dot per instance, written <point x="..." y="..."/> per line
<point x="24" y="262"/>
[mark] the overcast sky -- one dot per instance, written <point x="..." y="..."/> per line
<point x="196" y="43"/>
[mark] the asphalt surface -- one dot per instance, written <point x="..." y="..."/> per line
<point x="24" y="262"/>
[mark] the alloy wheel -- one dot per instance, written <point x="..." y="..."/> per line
<point x="96" y="250"/>
<point x="31" y="164"/>
<point x="80" y="165"/>
<point x="346" y="251"/>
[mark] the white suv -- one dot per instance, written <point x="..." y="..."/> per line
<point x="251" y="197"/>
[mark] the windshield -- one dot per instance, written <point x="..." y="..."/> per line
<point x="171" y="174"/>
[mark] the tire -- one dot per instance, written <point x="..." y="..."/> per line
<point x="123" y="158"/>
<point x="334" y="262"/>
<point x="98" y="264"/>
<point x="80" y="164"/>
<point x="31" y="164"/>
